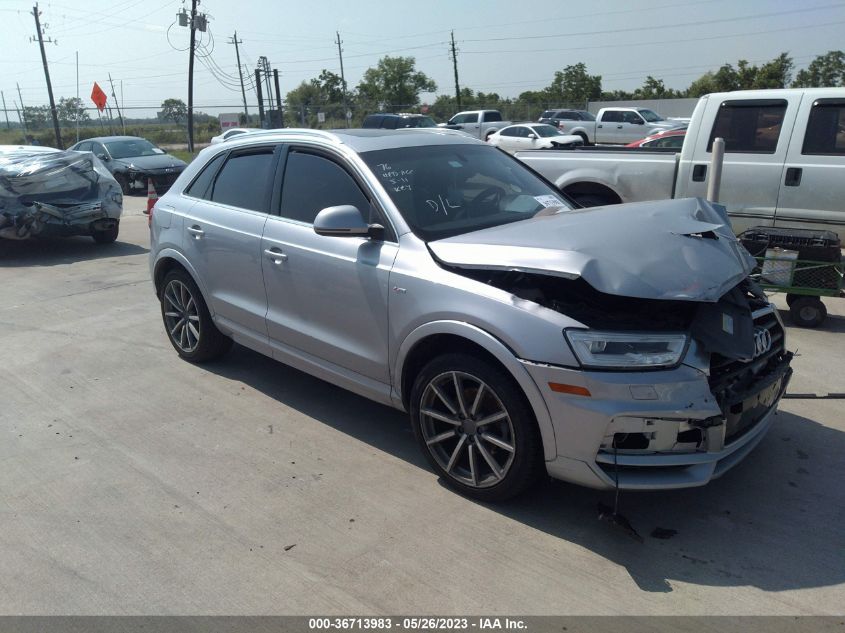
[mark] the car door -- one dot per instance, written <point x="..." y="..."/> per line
<point x="756" y="134"/>
<point x="222" y="238"/>
<point x="633" y="128"/>
<point x="812" y="185"/>
<point x="327" y="295"/>
<point x="608" y="127"/>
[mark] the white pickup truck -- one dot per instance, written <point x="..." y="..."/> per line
<point x="784" y="161"/>
<point x="478" y="123"/>
<point x="619" y="126"/>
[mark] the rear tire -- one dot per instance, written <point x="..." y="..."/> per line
<point x="187" y="321"/>
<point x="107" y="236"/>
<point x="808" y="312"/>
<point x="485" y="446"/>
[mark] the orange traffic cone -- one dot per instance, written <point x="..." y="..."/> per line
<point x="152" y="198"/>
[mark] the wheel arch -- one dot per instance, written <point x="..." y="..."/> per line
<point x="170" y="259"/>
<point x="433" y="339"/>
<point x="591" y="188"/>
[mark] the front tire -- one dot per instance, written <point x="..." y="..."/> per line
<point x="187" y="321"/>
<point x="475" y="427"/>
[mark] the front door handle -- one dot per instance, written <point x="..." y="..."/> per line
<point x="618" y="127"/>
<point x="598" y="126"/>
<point x="196" y="231"/>
<point x="699" y="173"/>
<point x="793" y="176"/>
<point x="276" y="255"/>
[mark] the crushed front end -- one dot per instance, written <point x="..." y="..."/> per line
<point x="678" y="426"/>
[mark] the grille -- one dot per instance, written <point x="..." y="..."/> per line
<point x="737" y="384"/>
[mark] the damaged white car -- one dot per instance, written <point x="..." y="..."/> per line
<point x="47" y="193"/>
<point x="620" y="346"/>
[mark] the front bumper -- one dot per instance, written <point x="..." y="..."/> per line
<point x="688" y="438"/>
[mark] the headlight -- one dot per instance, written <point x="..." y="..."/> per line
<point x="623" y="350"/>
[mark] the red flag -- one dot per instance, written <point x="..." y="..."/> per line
<point x="98" y="97"/>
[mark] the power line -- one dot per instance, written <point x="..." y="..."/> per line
<point x="674" y="25"/>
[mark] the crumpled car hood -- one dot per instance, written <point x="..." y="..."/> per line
<point x="669" y="249"/>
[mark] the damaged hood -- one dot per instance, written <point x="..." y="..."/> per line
<point x="152" y="163"/>
<point x="669" y="249"/>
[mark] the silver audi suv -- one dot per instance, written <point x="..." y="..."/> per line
<point x="621" y="346"/>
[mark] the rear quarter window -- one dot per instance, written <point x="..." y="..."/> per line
<point x="199" y="188"/>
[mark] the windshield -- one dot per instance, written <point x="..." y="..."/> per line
<point x="544" y="131"/>
<point x="420" y="121"/>
<point x="132" y="147"/>
<point x="446" y="190"/>
<point x="650" y="116"/>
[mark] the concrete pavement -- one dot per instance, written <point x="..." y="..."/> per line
<point x="135" y="483"/>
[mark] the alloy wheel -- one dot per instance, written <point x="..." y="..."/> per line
<point x="467" y="429"/>
<point x="181" y="316"/>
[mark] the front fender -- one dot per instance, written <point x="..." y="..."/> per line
<point x="501" y="352"/>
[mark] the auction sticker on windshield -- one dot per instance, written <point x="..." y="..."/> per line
<point x="549" y="201"/>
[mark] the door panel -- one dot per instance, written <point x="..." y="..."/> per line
<point x="328" y="295"/>
<point x="812" y="189"/>
<point x="222" y="234"/>
<point x="224" y="244"/>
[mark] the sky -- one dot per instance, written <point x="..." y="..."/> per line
<point x="503" y="46"/>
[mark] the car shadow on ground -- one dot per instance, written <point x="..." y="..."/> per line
<point x="773" y="522"/>
<point x="54" y="252"/>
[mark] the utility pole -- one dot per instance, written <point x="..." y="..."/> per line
<point x="260" y="97"/>
<point x="78" y="104"/>
<point x="192" y="26"/>
<point x="235" y="41"/>
<point x="278" y="98"/>
<point x="117" y="105"/>
<point x="21" y="112"/>
<point x="5" y="111"/>
<point x="36" y="14"/>
<point x="455" y="66"/>
<point x="196" y="22"/>
<point x="342" y="76"/>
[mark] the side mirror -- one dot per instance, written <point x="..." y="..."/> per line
<point x="345" y="221"/>
<point x="102" y="156"/>
<point x="532" y="136"/>
<point x="639" y="122"/>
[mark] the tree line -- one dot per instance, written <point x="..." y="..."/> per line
<point x="395" y="83"/>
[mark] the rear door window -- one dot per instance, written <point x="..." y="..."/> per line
<point x="612" y="116"/>
<point x="749" y="126"/>
<point x="491" y="117"/>
<point x="244" y="181"/>
<point x="825" y="135"/>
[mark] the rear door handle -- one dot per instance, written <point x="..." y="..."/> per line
<point x="793" y="176"/>
<point x="196" y="231"/>
<point x="699" y="173"/>
<point x="276" y="255"/>
<point x="618" y="127"/>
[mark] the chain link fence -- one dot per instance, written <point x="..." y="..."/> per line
<point x="17" y="130"/>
